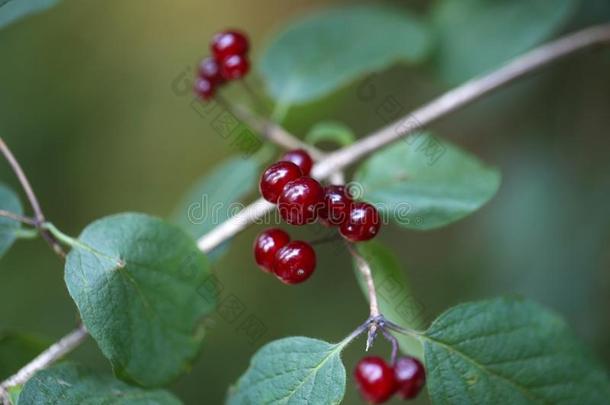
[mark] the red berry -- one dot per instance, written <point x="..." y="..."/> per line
<point x="336" y="207"/>
<point x="300" y="158"/>
<point x="362" y="224"/>
<point x="276" y="177"/>
<point x="410" y="376"/>
<point x="266" y="245"/>
<point x="295" y="262"/>
<point x="234" y="67"/>
<point x="375" y="379"/>
<point x="204" y="88"/>
<point x="228" y="43"/>
<point x="209" y="69"/>
<point x="300" y="201"/>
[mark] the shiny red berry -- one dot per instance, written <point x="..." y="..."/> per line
<point x="228" y="43"/>
<point x="301" y="158"/>
<point x="410" y="376"/>
<point x="295" y="262"/>
<point x="276" y="177"/>
<point x="204" y="88"/>
<point x="210" y="69"/>
<point x="300" y="201"/>
<point x="234" y="67"/>
<point x="375" y="379"/>
<point x="336" y="207"/>
<point x="362" y="224"/>
<point x="266" y="245"/>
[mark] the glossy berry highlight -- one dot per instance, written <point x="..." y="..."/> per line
<point x="410" y="376"/>
<point x="362" y="224"/>
<point x="210" y="69"/>
<point x="301" y="158"/>
<point x="336" y="206"/>
<point x="234" y="67"/>
<point x="229" y="43"/>
<point x="275" y="178"/>
<point x="204" y="88"/>
<point x="295" y="262"/>
<point x="300" y="201"/>
<point x="266" y="245"/>
<point x="375" y="379"/>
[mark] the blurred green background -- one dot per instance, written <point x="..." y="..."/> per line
<point x="88" y="105"/>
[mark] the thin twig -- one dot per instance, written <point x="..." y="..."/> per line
<point x="17" y="217"/>
<point x="438" y="108"/>
<point x="365" y="270"/>
<point x="27" y="188"/>
<point x="394" y="343"/>
<point x="270" y="130"/>
<point x="463" y="95"/>
<point x="55" y="352"/>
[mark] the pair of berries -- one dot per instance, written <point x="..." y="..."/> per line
<point x="302" y="199"/>
<point x="379" y="381"/>
<point x="291" y="261"/>
<point x="229" y="61"/>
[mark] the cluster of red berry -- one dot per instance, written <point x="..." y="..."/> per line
<point x="302" y="200"/>
<point x="379" y="381"/>
<point x="229" y="61"/>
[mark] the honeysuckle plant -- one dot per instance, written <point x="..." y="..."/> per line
<point x="135" y="279"/>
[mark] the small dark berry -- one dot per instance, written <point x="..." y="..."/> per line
<point x="301" y="158"/>
<point x="276" y="177"/>
<point x="234" y="67"/>
<point x="337" y="205"/>
<point x="410" y="376"/>
<point x="204" y="88"/>
<point x="362" y="224"/>
<point x="266" y="246"/>
<point x="375" y="379"/>
<point x="228" y="43"/>
<point x="295" y="262"/>
<point x="300" y="201"/>
<point x="209" y="69"/>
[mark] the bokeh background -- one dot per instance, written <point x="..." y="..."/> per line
<point x="87" y="104"/>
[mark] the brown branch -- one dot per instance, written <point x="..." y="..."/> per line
<point x="269" y="129"/>
<point x="18" y="218"/>
<point x="29" y="192"/>
<point x="55" y="352"/>
<point x="449" y="102"/>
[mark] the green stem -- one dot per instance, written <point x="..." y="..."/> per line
<point x="60" y="236"/>
<point x="26" y="233"/>
<point x="75" y="243"/>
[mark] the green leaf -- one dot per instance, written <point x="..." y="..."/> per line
<point x="295" y="370"/>
<point x="16" y="350"/>
<point x="216" y="197"/>
<point x="425" y="183"/>
<point x="14" y="392"/>
<point x="330" y="131"/>
<point x="71" y="384"/>
<point x="325" y="51"/>
<point x="476" y="36"/>
<point x="137" y="282"/>
<point x="396" y="301"/>
<point x="8" y="228"/>
<point x="12" y="10"/>
<point x="507" y="351"/>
